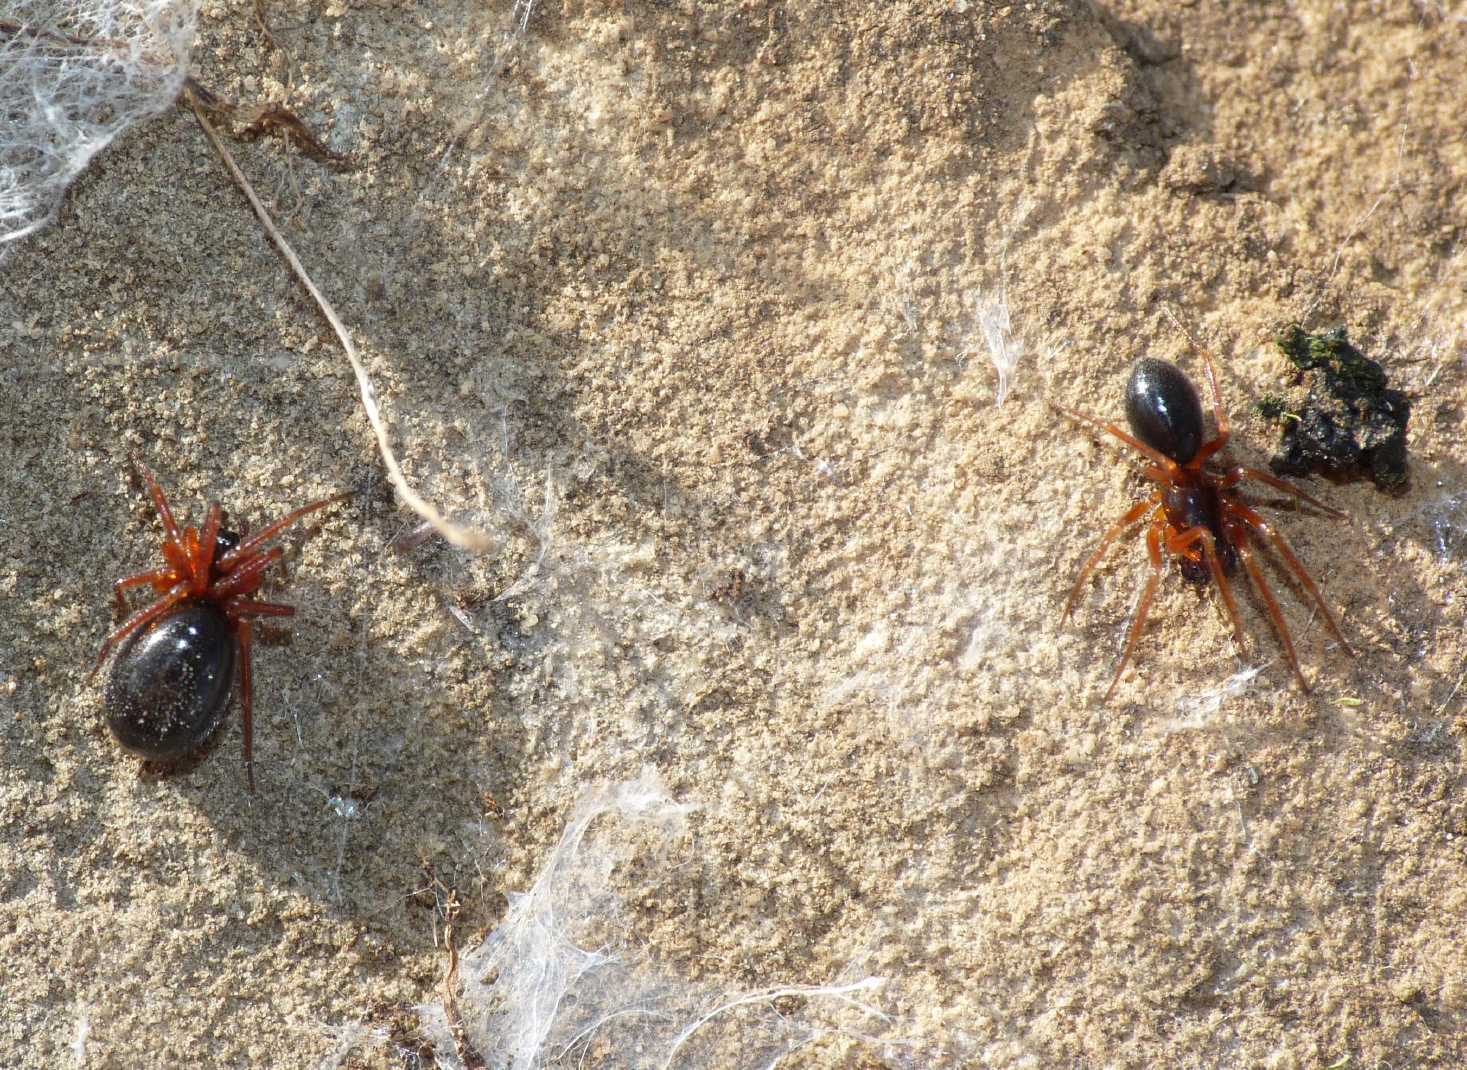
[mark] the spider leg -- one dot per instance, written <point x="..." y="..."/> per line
<point x="1224" y="432"/>
<point x="160" y="503"/>
<point x="208" y="541"/>
<point x="141" y="579"/>
<point x="1143" y="606"/>
<point x="1236" y="475"/>
<point x="1179" y="542"/>
<point x="1132" y="515"/>
<point x="176" y="594"/>
<point x="1225" y="588"/>
<point x="245" y="580"/>
<point x="239" y="611"/>
<point x="247" y="696"/>
<point x="1156" y="457"/>
<point x="231" y="560"/>
<point x="1263" y="527"/>
<point x="1275" y="614"/>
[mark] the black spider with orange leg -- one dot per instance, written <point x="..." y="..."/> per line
<point x="175" y="665"/>
<point x="1196" y="515"/>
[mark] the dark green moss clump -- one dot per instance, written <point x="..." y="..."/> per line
<point x="1350" y="423"/>
<point x="1273" y="408"/>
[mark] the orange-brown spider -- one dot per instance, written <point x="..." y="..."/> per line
<point x="176" y="658"/>
<point x="1196" y="515"/>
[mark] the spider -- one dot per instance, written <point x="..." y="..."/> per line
<point x="175" y="664"/>
<point x="1196" y="515"/>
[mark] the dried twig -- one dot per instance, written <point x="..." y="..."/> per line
<point x="468" y="538"/>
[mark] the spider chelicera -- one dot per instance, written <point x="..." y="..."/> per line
<point x="174" y="669"/>
<point x="1196" y="515"/>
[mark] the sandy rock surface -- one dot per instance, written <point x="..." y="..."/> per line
<point x="682" y="304"/>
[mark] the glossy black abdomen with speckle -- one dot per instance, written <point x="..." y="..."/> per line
<point x="1163" y="409"/>
<point x="170" y="683"/>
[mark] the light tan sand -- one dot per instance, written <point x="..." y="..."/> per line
<point x="678" y="301"/>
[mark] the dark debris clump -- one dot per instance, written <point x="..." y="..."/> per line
<point x="1350" y="424"/>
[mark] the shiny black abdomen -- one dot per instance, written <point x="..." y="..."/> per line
<point x="1163" y="409"/>
<point x="170" y="683"/>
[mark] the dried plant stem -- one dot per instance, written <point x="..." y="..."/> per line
<point x="468" y="538"/>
